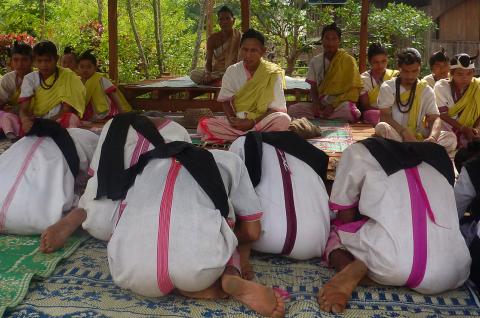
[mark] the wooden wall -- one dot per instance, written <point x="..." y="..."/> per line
<point x="461" y="23"/>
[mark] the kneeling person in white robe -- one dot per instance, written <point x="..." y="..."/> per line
<point x="402" y="191"/>
<point x="43" y="175"/>
<point x="287" y="173"/>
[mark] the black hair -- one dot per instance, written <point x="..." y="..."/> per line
<point x="45" y="48"/>
<point x="463" y="155"/>
<point x="22" y="49"/>
<point x="225" y="9"/>
<point x="376" y="49"/>
<point x="332" y="27"/>
<point x="253" y="34"/>
<point x="69" y="50"/>
<point x="439" y="56"/>
<point x="409" y="56"/>
<point x="88" y="55"/>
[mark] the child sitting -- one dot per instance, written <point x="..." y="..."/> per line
<point x="103" y="100"/>
<point x="52" y="92"/>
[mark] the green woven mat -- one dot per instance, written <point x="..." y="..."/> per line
<point x="336" y="135"/>
<point x="21" y="260"/>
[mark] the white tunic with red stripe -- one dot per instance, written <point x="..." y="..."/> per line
<point x="296" y="219"/>
<point x="170" y="235"/>
<point x="102" y="215"/>
<point x="411" y="235"/>
<point x="37" y="185"/>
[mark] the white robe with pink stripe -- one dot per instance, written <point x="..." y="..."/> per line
<point x="300" y="230"/>
<point x="170" y="235"/>
<point x="412" y="235"/>
<point x="37" y="185"/>
<point x="102" y="215"/>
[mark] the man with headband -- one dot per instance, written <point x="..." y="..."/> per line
<point x="408" y="111"/>
<point x="458" y="99"/>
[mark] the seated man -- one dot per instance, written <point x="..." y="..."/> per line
<point x="408" y="111"/>
<point x="335" y="82"/>
<point x="287" y="173"/>
<point x="396" y="221"/>
<point x="43" y="175"/>
<point x="372" y="80"/>
<point x="51" y="92"/>
<point x="179" y="237"/>
<point x="439" y="65"/>
<point x="103" y="99"/>
<point x="222" y="50"/>
<point x="467" y="190"/>
<point x="99" y="216"/>
<point x="21" y="62"/>
<point x="458" y="99"/>
<point x="252" y="95"/>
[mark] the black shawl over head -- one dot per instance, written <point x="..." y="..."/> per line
<point x="50" y="128"/>
<point x="286" y="141"/>
<point x="394" y="156"/>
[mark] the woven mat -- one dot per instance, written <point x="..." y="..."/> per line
<point x="82" y="287"/>
<point x="336" y="136"/>
<point x="4" y="145"/>
<point x="21" y="260"/>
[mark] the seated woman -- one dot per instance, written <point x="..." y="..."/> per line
<point x="252" y="95"/>
<point x="334" y="82"/>
<point x="458" y="99"/>
<point x="222" y="50"/>
<point x="69" y="59"/>
<point x="287" y="173"/>
<point x="396" y="221"/>
<point x="372" y="80"/>
<point x="103" y="99"/>
<point x="21" y="63"/>
<point x="52" y="92"/>
<point x="43" y="176"/>
<point x="440" y="67"/>
<point x="467" y="190"/>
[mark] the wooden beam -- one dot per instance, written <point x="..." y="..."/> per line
<point x="112" y="40"/>
<point x="210" y="18"/>
<point x="245" y="6"/>
<point x="363" y="36"/>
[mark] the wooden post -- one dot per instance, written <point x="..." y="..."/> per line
<point x="362" y="65"/>
<point x="245" y="5"/>
<point x="112" y="40"/>
<point x="210" y="18"/>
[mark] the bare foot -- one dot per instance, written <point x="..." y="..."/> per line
<point x="247" y="270"/>
<point x="244" y="250"/>
<point x="263" y="300"/>
<point x="334" y="295"/>
<point x="56" y="235"/>
<point x="213" y="292"/>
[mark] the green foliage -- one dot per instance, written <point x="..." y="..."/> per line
<point x="396" y="26"/>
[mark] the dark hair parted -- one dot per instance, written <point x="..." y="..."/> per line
<point x="409" y="56"/>
<point x="225" y="9"/>
<point x="45" y="48"/>
<point x="88" y="55"/>
<point x="463" y="155"/>
<point x="253" y="34"/>
<point x="376" y="49"/>
<point x="332" y="27"/>
<point x="21" y="49"/>
<point x="439" y="56"/>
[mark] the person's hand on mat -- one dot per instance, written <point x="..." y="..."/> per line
<point x="327" y="111"/>
<point x="242" y="124"/>
<point x="27" y="123"/>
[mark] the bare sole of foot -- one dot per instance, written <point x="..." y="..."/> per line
<point x="334" y="295"/>
<point x="53" y="238"/>
<point x="263" y="300"/>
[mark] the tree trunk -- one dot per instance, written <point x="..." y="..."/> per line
<point x="290" y="64"/>
<point x="157" y="20"/>
<point x="42" y="17"/>
<point x="199" y="35"/>
<point x="137" y="37"/>
<point x="100" y="11"/>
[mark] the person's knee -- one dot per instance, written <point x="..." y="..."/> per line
<point x="381" y="129"/>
